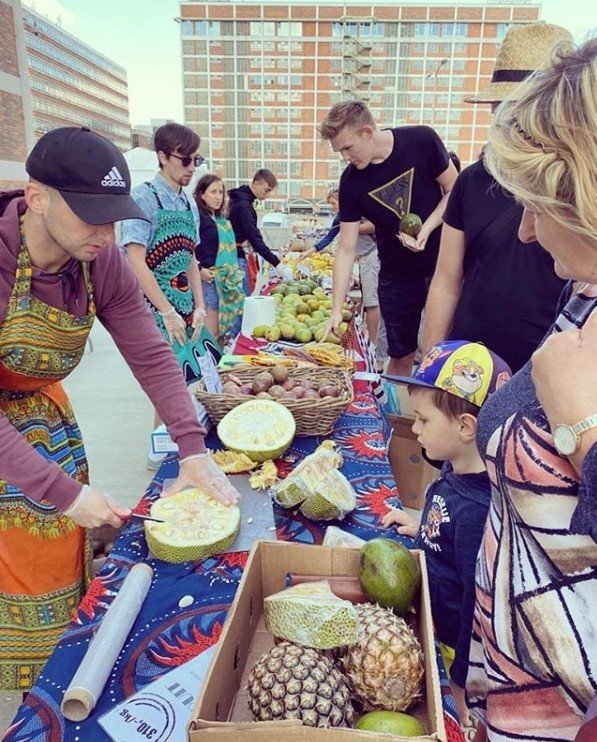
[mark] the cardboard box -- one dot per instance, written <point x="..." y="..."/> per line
<point x="222" y="713"/>
<point x="411" y="472"/>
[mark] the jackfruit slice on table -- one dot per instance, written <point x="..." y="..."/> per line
<point x="311" y="615"/>
<point x="316" y="485"/>
<point x="260" y="428"/>
<point x="332" y="498"/>
<point x="195" y="527"/>
<point x="304" y="477"/>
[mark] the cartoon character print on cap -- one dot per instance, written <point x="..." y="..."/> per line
<point x="466" y="380"/>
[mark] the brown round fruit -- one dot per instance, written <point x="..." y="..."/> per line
<point x="329" y="391"/>
<point x="277" y="390"/>
<point x="280" y="374"/>
<point x="245" y="389"/>
<point x="289" y="384"/>
<point x="262" y="395"/>
<point x="229" y="387"/>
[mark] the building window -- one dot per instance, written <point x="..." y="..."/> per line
<point x="263" y="28"/>
<point x="502" y="30"/>
<point x="428" y="29"/>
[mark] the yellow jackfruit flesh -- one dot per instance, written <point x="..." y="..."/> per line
<point x="195" y="527"/>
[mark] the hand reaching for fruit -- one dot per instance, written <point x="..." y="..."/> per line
<point x="332" y="325"/>
<point x="201" y="471"/>
<point x="407" y="525"/>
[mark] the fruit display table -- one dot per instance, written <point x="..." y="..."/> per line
<point x="166" y="635"/>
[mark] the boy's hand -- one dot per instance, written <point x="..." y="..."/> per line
<point x="408" y="526"/>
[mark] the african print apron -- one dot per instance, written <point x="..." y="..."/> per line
<point x="169" y="257"/>
<point x="45" y="558"/>
<point x="228" y="279"/>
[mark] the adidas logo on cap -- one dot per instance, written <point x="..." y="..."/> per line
<point x="114" y="178"/>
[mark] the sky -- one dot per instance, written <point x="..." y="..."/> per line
<point x="143" y="37"/>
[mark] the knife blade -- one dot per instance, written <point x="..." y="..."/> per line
<point x="146" y="517"/>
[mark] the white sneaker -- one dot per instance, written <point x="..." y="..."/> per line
<point x="154" y="460"/>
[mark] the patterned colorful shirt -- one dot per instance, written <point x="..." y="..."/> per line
<point x="142" y="232"/>
<point x="533" y="658"/>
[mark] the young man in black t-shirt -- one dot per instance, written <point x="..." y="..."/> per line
<point x="489" y="287"/>
<point x="391" y="173"/>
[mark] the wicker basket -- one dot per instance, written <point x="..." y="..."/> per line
<point x="312" y="416"/>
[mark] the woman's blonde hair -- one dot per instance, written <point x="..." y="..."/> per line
<point x="543" y="145"/>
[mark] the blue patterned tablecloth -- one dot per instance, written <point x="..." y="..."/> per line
<point x="164" y="635"/>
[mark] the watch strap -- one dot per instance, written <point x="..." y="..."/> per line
<point x="583" y="425"/>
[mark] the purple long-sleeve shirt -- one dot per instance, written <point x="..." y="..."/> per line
<point x="122" y="310"/>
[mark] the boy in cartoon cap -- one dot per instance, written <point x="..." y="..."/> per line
<point x="447" y="390"/>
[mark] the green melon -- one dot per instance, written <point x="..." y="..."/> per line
<point x="195" y="527"/>
<point x="311" y="615"/>
<point x="411" y="224"/>
<point x="389" y="574"/>
<point x="261" y="428"/>
<point x="390" y="722"/>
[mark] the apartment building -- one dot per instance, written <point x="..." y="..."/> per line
<point x="16" y="133"/>
<point x="259" y="76"/>
<point x="72" y="84"/>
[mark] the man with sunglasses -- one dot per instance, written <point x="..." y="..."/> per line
<point x="162" y="249"/>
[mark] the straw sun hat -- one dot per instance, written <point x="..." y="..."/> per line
<point x="524" y="49"/>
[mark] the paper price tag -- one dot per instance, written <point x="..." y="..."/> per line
<point x="212" y="381"/>
<point x="161" y="711"/>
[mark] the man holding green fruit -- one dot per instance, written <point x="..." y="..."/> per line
<point x="399" y="179"/>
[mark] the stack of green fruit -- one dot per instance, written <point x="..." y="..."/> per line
<point x="303" y="310"/>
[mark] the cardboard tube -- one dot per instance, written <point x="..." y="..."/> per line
<point x="88" y="682"/>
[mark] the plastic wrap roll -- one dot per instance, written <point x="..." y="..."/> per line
<point x="258" y="310"/>
<point x="88" y="682"/>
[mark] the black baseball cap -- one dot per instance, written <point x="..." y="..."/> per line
<point x="89" y="172"/>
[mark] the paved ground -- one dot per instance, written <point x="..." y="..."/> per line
<point x="116" y="419"/>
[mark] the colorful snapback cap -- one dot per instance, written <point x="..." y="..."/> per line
<point x="466" y="370"/>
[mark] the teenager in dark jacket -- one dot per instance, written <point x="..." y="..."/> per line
<point x="447" y="390"/>
<point x="243" y="218"/>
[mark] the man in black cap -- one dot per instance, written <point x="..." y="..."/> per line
<point x="59" y="269"/>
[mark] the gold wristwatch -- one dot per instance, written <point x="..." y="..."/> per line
<point x="566" y="438"/>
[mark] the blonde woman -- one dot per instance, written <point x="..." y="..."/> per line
<point x="533" y="661"/>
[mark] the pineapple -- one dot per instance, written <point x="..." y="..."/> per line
<point x="385" y="666"/>
<point x="294" y="682"/>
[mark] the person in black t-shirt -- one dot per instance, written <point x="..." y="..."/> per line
<point x="489" y="287"/>
<point x="391" y="173"/>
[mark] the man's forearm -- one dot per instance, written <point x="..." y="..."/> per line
<point x="343" y="264"/>
<point x="195" y="283"/>
<point x="439" y="313"/>
<point x="435" y="218"/>
<point x="147" y="281"/>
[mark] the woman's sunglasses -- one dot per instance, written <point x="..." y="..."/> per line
<point x="187" y="159"/>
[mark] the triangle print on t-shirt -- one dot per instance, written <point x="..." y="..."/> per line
<point x="396" y="194"/>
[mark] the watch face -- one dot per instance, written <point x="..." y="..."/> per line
<point x="565" y="439"/>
